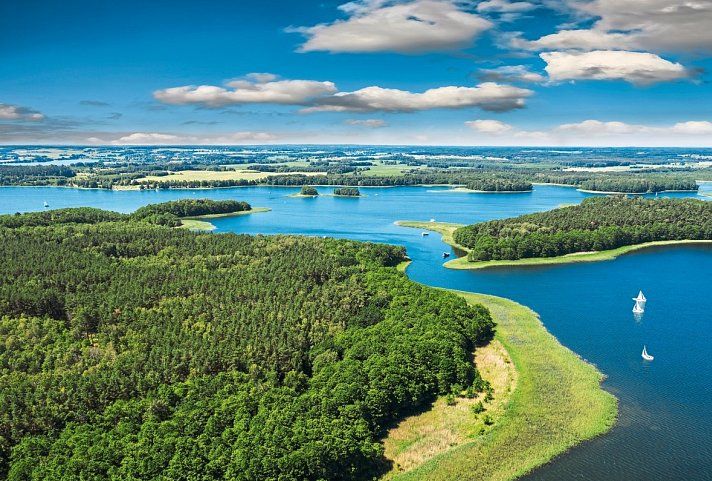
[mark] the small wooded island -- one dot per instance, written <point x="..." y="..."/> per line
<point x="499" y="184"/>
<point x="347" y="192"/>
<point x="597" y="224"/>
<point x="308" y="191"/>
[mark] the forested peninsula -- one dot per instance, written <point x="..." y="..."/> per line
<point x="597" y="224"/>
<point x="133" y="350"/>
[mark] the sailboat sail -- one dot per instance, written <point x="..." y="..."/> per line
<point x="641" y="297"/>
<point x="645" y="355"/>
<point x="638" y="307"/>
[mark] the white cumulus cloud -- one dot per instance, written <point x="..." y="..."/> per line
<point x="405" y="27"/>
<point x="651" y="25"/>
<point x="639" y="68"/>
<point x="253" y="89"/>
<point x="495" y="127"/>
<point x="370" y="123"/>
<point x="488" y="96"/>
<point x="505" y="6"/>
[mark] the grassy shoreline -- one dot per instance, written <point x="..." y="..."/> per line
<point x="461" y="263"/>
<point x="557" y="403"/>
<point x="198" y="222"/>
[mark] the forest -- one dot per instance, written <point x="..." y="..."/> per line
<point x="308" y="190"/>
<point x="135" y="351"/>
<point x="347" y="192"/>
<point x="500" y="184"/>
<point x="594" y="225"/>
<point x="192" y="208"/>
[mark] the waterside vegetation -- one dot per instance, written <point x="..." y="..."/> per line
<point x="555" y="402"/>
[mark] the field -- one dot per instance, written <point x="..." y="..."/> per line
<point x="556" y="404"/>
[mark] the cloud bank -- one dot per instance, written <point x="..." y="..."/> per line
<point x="324" y="96"/>
<point x="595" y="132"/>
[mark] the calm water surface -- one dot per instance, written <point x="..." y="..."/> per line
<point x="665" y="406"/>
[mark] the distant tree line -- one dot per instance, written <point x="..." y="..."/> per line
<point x="34" y="174"/>
<point x="594" y="225"/>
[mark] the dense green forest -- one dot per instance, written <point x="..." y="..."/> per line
<point x="594" y="225"/>
<point x="138" y="352"/>
<point x="192" y="208"/>
<point x="500" y="184"/>
<point x="347" y="191"/>
<point x="35" y="174"/>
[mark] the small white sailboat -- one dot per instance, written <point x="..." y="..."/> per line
<point x="432" y="220"/>
<point x="638" y="308"/>
<point x="46" y="204"/>
<point x="645" y="355"/>
<point x="424" y="234"/>
<point x="641" y="298"/>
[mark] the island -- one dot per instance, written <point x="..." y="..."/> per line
<point x="192" y="213"/>
<point x="599" y="228"/>
<point x="306" y="191"/>
<point x="499" y="184"/>
<point x="347" y="192"/>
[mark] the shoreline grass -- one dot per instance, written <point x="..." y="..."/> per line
<point x="198" y="222"/>
<point x="419" y="438"/>
<point x="557" y="403"/>
<point x="461" y="263"/>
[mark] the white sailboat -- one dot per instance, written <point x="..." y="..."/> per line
<point x="645" y="355"/>
<point x="432" y="220"/>
<point x="638" y="308"/>
<point x="46" y="204"/>
<point x="641" y="298"/>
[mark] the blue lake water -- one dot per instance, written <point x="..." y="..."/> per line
<point x="665" y="406"/>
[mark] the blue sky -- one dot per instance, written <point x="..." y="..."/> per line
<point x="494" y="72"/>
